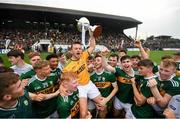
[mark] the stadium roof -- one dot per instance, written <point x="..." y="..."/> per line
<point x="39" y="13"/>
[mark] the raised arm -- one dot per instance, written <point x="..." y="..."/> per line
<point x="92" y="44"/>
<point x="160" y="100"/>
<point x="107" y="66"/>
<point x="143" y="53"/>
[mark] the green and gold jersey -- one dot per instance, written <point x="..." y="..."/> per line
<point x="68" y="105"/>
<point x="145" y="110"/>
<point x="125" y="91"/>
<point x="46" y="86"/>
<point x="178" y="69"/>
<point x="103" y="82"/>
<point x="23" y="109"/>
<point x="171" y="86"/>
<point x="178" y="65"/>
<point x="28" y="74"/>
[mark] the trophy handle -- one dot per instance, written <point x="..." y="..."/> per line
<point x="95" y="30"/>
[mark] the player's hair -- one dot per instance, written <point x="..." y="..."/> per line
<point x="166" y="57"/>
<point x="51" y="56"/>
<point x="7" y="79"/>
<point x="168" y="63"/>
<point x="136" y="56"/>
<point x="67" y="76"/>
<point x="177" y="54"/>
<point x="121" y="50"/>
<point x="97" y="55"/>
<point x="114" y="55"/>
<point x="146" y="63"/>
<point x="125" y="57"/>
<point x="4" y="69"/>
<point x="33" y="54"/>
<point x="15" y="53"/>
<point x="40" y="64"/>
<point x="60" y="54"/>
<point x="76" y="42"/>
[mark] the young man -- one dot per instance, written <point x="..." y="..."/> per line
<point x="124" y="96"/>
<point x="33" y="57"/>
<point x="16" y="57"/>
<point x="106" y="83"/>
<point x="78" y="64"/>
<point x="44" y="82"/>
<point x="14" y="101"/>
<point x="135" y="59"/>
<point x="169" y="86"/>
<point x="113" y="60"/>
<point x="121" y="53"/>
<point x="53" y="63"/>
<point x="141" y="91"/>
<point x="68" y="101"/>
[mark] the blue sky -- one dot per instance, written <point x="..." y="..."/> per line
<point x="159" y="17"/>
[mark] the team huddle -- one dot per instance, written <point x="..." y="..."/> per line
<point x="90" y="85"/>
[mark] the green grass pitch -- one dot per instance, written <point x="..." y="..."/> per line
<point x="155" y="56"/>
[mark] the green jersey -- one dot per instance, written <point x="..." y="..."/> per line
<point x="46" y="86"/>
<point x="125" y="92"/>
<point x="136" y="72"/>
<point x="57" y="72"/>
<point x="68" y="105"/>
<point x="145" y="110"/>
<point x="171" y="86"/>
<point x="28" y="74"/>
<point x="155" y="69"/>
<point x="23" y="109"/>
<point x="103" y="82"/>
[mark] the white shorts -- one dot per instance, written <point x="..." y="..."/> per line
<point x="88" y="91"/>
<point x="120" y="105"/>
<point x="91" y="105"/>
<point x="129" y="114"/>
<point x="174" y="105"/>
<point x="53" y="115"/>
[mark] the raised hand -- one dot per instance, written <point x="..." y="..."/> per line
<point x="152" y="83"/>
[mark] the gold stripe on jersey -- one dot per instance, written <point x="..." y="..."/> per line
<point x="124" y="80"/>
<point x="75" y="109"/>
<point x="49" y="90"/>
<point x="177" y="73"/>
<point x="162" y="92"/>
<point x="102" y="84"/>
<point x="80" y="68"/>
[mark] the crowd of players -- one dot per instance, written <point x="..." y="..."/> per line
<point x="84" y="84"/>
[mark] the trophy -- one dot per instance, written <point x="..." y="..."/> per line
<point x="83" y="25"/>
